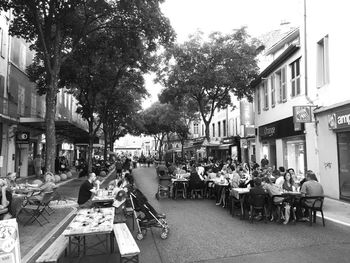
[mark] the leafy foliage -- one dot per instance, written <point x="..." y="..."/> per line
<point x="208" y="72"/>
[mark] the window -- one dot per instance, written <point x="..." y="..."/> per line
<point x="280" y="77"/>
<point x="195" y="128"/>
<point x="2" y="48"/>
<point x="295" y="77"/>
<point x="22" y="56"/>
<point x="266" y="95"/>
<point x="273" y="92"/>
<point x="21" y="94"/>
<point x="203" y="130"/>
<point x="322" y="73"/>
<point x="258" y="98"/>
<point x="224" y="128"/>
<point x="219" y="129"/>
<point x="213" y="129"/>
<point x="33" y="105"/>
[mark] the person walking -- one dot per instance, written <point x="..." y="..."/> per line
<point x="37" y="165"/>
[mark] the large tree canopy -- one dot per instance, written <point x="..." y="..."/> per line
<point x="57" y="28"/>
<point x="209" y="71"/>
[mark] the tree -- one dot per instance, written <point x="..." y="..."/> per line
<point x="158" y="121"/>
<point x="208" y="72"/>
<point x="58" y="28"/>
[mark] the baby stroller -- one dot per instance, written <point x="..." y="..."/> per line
<point x="148" y="217"/>
<point x="163" y="186"/>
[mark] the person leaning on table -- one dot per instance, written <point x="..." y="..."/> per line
<point x="48" y="186"/>
<point x="86" y="190"/>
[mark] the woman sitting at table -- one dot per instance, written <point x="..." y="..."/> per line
<point x="48" y="186"/>
<point x="195" y="180"/>
<point x="288" y="182"/>
<point x="5" y="201"/>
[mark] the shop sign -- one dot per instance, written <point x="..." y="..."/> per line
<point x="268" y="131"/>
<point x="22" y="137"/>
<point x="227" y="141"/>
<point x="339" y="119"/>
<point x="249" y="131"/>
<point x="302" y="114"/>
<point x="67" y="146"/>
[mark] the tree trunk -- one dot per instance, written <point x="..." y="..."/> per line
<point x="91" y="143"/>
<point x="50" y="126"/>
<point x="106" y="145"/>
<point x="207" y="131"/>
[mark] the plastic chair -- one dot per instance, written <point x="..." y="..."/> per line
<point x="257" y="202"/>
<point x="317" y="206"/>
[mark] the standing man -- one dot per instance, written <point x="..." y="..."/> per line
<point x="37" y="165"/>
<point x="264" y="162"/>
<point x="85" y="192"/>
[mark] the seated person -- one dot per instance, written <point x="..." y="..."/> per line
<point x="272" y="190"/>
<point x="47" y="186"/>
<point x="311" y="187"/>
<point x="257" y="190"/>
<point x="11" y="181"/>
<point x="5" y="201"/>
<point x="86" y="191"/>
<point x="195" y="180"/>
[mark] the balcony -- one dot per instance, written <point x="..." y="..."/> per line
<point x="8" y="108"/>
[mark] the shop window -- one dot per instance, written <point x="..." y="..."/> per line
<point x="273" y="92"/>
<point x="295" y="77"/>
<point x="280" y="81"/>
<point x="322" y="73"/>
<point x="294" y="155"/>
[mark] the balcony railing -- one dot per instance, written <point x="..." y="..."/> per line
<point x="8" y="108"/>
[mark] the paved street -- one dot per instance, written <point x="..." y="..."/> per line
<point x="203" y="232"/>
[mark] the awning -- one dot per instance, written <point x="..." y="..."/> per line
<point x="63" y="127"/>
<point x="224" y="146"/>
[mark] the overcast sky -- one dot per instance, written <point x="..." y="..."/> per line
<point x="260" y="16"/>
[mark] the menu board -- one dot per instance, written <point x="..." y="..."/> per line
<point x="9" y="242"/>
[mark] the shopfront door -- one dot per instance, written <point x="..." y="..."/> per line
<point x="344" y="164"/>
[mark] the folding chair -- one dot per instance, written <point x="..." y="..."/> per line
<point x="36" y="210"/>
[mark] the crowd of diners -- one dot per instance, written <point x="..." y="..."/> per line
<point x="10" y="190"/>
<point x="259" y="180"/>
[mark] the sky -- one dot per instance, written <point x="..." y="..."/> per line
<point x="259" y="16"/>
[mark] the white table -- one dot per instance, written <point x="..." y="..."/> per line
<point x="87" y="222"/>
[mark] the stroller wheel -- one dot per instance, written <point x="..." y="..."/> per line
<point x="139" y="236"/>
<point x="157" y="196"/>
<point x="164" y="234"/>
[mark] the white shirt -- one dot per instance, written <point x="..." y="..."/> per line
<point x="279" y="181"/>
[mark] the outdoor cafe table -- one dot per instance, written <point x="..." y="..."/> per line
<point x="179" y="180"/>
<point x="103" y="197"/>
<point x="91" y="222"/>
<point x="239" y="194"/>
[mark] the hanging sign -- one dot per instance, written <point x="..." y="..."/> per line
<point x="302" y="114"/>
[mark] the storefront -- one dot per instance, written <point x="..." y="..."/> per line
<point x="339" y="127"/>
<point x="284" y="145"/>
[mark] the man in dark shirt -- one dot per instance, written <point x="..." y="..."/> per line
<point x="264" y="162"/>
<point x="86" y="190"/>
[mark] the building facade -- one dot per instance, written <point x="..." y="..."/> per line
<point x="327" y="74"/>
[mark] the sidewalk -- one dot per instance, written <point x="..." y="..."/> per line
<point x="336" y="211"/>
